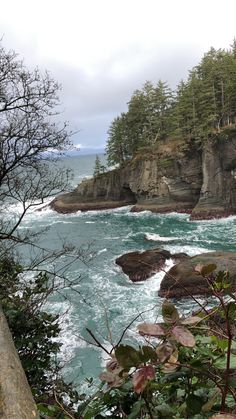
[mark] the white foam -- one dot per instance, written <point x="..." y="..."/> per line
<point x="37" y="209"/>
<point x="190" y="250"/>
<point x="102" y="251"/>
<point x="67" y="337"/>
<point x="140" y="214"/>
<point x="157" y="237"/>
<point x="216" y="220"/>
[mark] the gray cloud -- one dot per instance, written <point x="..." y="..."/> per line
<point x="91" y="102"/>
<point x="101" y="52"/>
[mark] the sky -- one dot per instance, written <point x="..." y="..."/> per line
<point x="100" y="51"/>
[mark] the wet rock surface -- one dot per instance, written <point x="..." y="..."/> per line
<point x="183" y="281"/>
<point x="142" y="265"/>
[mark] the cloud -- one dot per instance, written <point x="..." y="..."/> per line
<point x="102" y="51"/>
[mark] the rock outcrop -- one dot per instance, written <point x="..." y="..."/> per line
<point x="183" y="281"/>
<point x="141" y="265"/>
<point x="108" y="190"/>
<point x="175" y="177"/>
<point x="218" y="192"/>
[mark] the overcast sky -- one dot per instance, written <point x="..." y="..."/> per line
<point x="102" y="50"/>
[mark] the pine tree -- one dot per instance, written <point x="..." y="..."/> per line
<point x="202" y="106"/>
<point x="117" y="144"/>
<point x="98" y="167"/>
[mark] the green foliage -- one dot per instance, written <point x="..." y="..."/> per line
<point x="32" y="329"/>
<point x="147" y="121"/>
<point x="98" y="167"/>
<point x="186" y="369"/>
<point x="34" y="332"/>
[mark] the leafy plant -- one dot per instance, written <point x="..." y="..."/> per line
<point x="185" y="369"/>
<point x="34" y="332"/>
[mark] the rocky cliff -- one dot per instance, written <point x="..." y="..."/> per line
<point x="218" y="192"/>
<point x="174" y="177"/>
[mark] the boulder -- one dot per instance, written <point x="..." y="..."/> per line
<point x="183" y="281"/>
<point x="141" y="265"/>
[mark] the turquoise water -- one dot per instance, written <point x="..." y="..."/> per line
<point x="103" y="299"/>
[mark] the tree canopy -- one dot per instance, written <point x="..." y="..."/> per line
<point x="200" y="108"/>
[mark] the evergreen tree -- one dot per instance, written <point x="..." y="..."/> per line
<point x="201" y="107"/>
<point x="98" y="166"/>
<point x="117" y="144"/>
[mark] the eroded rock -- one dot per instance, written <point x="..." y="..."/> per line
<point x="176" y="177"/>
<point x="142" y="265"/>
<point x="183" y="281"/>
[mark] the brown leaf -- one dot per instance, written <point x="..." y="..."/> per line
<point x="169" y="368"/>
<point x="151" y="329"/>
<point x="112" y="379"/>
<point x="164" y="351"/>
<point x="141" y="378"/>
<point x="174" y="357"/>
<point x="183" y="336"/>
<point x="107" y="376"/>
<point x="112" y="364"/>
<point x="191" y="320"/>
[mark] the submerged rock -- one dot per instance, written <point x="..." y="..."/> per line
<point x="141" y="265"/>
<point x="183" y="281"/>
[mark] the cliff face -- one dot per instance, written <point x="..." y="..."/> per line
<point x="218" y="193"/>
<point x="166" y="182"/>
<point x="171" y="179"/>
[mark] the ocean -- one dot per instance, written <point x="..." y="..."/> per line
<point x="103" y="299"/>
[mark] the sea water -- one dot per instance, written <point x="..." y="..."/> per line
<point x="102" y="298"/>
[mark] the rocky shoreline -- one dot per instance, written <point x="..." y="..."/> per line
<point x="174" y="178"/>
<point x="182" y="280"/>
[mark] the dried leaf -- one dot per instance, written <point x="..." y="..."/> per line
<point x="164" y="351"/>
<point x="174" y="358"/>
<point x="107" y="376"/>
<point x="169" y="312"/>
<point x="172" y="363"/>
<point x="183" y="336"/>
<point x="112" y="364"/>
<point x="151" y="329"/>
<point x="169" y="368"/>
<point x="112" y="379"/>
<point x="141" y="378"/>
<point x="191" y="320"/>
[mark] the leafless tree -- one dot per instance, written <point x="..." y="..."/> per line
<point x="29" y="135"/>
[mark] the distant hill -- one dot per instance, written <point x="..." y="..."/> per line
<point x="85" y="151"/>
